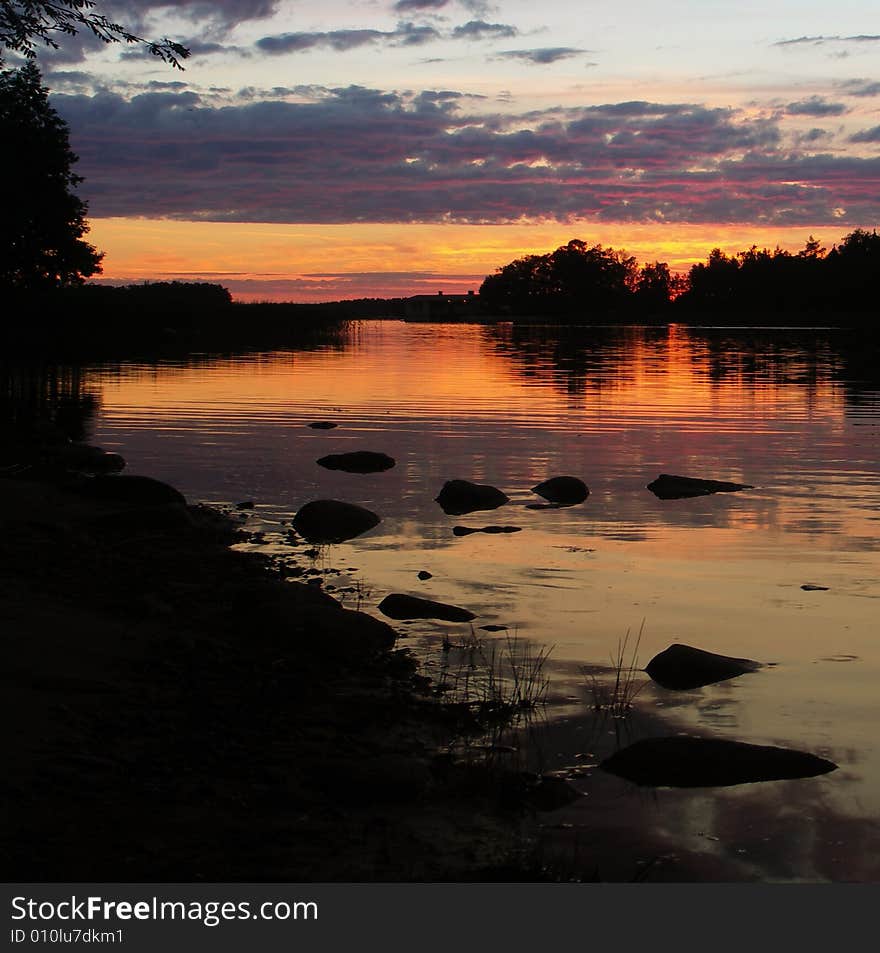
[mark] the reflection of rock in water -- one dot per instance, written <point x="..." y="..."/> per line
<point x="563" y="490"/>
<point x="332" y="521"/>
<point x="668" y="487"/>
<point x="461" y="496"/>
<point x="492" y="530"/>
<point x="707" y="762"/>
<point x="358" y="461"/>
<point x="682" y="666"/>
<point x="400" y="606"/>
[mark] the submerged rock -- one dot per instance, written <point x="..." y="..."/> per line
<point x="400" y="606"/>
<point x="682" y="666"/>
<point x="493" y="627"/>
<point x="562" y="490"/>
<point x="358" y="461"/>
<point x="322" y="425"/>
<point x="468" y="530"/>
<point x="668" y="487"/>
<point x="135" y="490"/>
<point x="810" y="587"/>
<point x="706" y="762"/>
<point x="332" y="521"/>
<point x="461" y="496"/>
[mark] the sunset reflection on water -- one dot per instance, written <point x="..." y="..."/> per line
<point x="793" y="413"/>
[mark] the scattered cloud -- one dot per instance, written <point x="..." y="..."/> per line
<point x="406" y="34"/>
<point x="866" y="135"/>
<point x="544" y="55"/>
<point x="822" y="40"/>
<point x="216" y="16"/>
<point x="481" y="30"/>
<point x="860" y="87"/>
<point x="815" y="106"/>
<point x="411" y="6"/>
<point x="812" y="136"/>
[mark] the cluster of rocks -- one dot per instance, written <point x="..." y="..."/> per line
<point x="680" y="761"/>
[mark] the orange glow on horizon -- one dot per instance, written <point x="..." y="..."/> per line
<point x="326" y="262"/>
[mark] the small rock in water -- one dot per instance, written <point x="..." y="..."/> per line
<point x="681" y="667"/>
<point x="468" y="530"/>
<point x="332" y="521"/>
<point x="668" y="487"/>
<point x="809" y="587"/>
<point x="323" y="425"/>
<point x="400" y="606"/>
<point x="461" y="496"/>
<point x="424" y="574"/>
<point x="358" y="461"/>
<point x="493" y="628"/>
<point x="562" y="490"/>
<point x="246" y="505"/>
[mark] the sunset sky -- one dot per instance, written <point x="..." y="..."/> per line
<point x="367" y="147"/>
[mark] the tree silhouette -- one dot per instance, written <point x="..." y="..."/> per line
<point x="25" y="24"/>
<point x="575" y="280"/>
<point x="41" y="243"/>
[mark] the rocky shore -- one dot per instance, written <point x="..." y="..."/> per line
<point x="178" y="712"/>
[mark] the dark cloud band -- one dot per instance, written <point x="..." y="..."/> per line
<point x="355" y="154"/>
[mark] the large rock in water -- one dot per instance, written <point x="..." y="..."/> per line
<point x="358" y="461"/>
<point x="461" y="496"/>
<point x="682" y="666"/>
<point x="668" y="487"/>
<point x="134" y="490"/>
<point x="400" y="606"/>
<point x="706" y="762"/>
<point x="332" y="521"/>
<point x="563" y="490"/>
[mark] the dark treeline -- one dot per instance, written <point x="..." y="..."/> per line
<point x="168" y="318"/>
<point x="582" y="283"/>
<point x="577" y="281"/>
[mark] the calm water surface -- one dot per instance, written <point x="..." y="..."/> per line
<point x="796" y="414"/>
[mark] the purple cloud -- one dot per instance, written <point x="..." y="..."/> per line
<point x="410" y="6"/>
<point x="815" y="106"/>
<point x="357" y="154"/>
<point x="481" y="30"/>
<point x="821" y="40"/>
<point x="543" y="55"/>
<point x="406" y="34"/>
<point x="866" y="135"/>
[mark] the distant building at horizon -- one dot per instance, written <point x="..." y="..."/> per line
<point x="442" y="307"/>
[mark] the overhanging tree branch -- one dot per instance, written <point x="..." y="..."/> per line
<point x="25" y="24"/>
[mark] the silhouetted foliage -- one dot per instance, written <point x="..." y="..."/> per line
<point x="24" y="25"/>
<point x="41" y="243"/>
<point x="576" y="280"/>
<point x="759" y="284"/>
<point x="853" y="269"/>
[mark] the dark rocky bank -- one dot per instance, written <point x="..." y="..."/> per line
<point x="180" y="713"/>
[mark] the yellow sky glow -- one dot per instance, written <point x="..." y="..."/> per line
<point x="148" y="249"/>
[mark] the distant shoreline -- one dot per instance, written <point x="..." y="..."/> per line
<point x="177" y="319"/>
